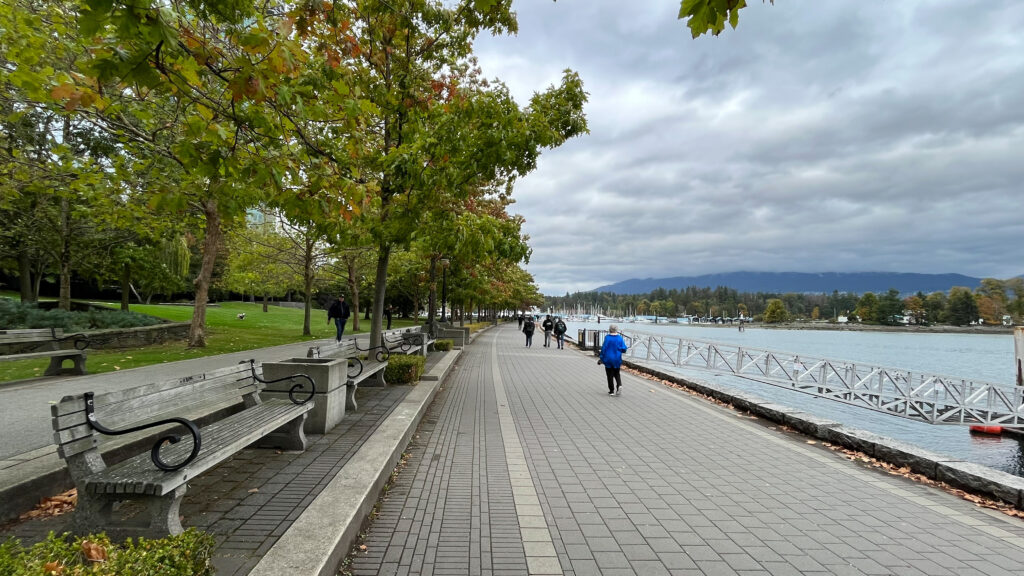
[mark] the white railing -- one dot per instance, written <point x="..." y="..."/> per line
<point x="924" y="397"/>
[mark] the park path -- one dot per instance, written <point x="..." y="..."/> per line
<point x="524" y="464"/>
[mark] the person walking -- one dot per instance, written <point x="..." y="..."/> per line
<point x="548" y="326"/>
<point x="528" y="328"/>
<point x="339" y="312"/>
<point x="388" y="310"/>
<point x="520" y="320"/>
<point x="560" y="330"/>
<point x="611" y="357"/>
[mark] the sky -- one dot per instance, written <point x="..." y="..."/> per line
<point x="839" y="136"/>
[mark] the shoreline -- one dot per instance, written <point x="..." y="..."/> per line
<point x="934" y="329"/>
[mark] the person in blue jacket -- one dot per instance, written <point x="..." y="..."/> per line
<point x="611" y="357"/>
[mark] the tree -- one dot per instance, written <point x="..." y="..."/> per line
<point x="935" y="305"/>
<point x="867" y="307"/>
<point x="889" y="309"/>
<point x="705" y="16"/>
<point x="775" y="312"/>
<point x="914" y="305"/>
<point x="962" y="309"/>
<point x="437" y="131"/>
<point x="258" y="262"/>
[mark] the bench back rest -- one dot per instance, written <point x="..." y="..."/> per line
<point x="30" y="340"/>
<point x="344" y="349"/>
<point x="148" y="403"/>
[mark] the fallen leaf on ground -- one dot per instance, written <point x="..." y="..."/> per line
<point x="53" y="506"/>
<point x="93" y="552"/>
<point x="253" y="490"/>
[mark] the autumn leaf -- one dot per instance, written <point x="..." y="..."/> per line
<point x="93" y="552"/>
<point x="54" y="568"/>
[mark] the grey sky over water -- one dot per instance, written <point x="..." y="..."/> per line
<point x="839" y="136"/>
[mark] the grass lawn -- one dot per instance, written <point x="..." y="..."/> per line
<point x="224" y="333"/>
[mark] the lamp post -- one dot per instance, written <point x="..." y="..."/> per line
<point x="444" y="286"/>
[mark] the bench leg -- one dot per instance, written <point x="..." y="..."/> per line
<point x="159" y="515"/>
<point x="56" y="367"/>
<point x="287" y="437"/>
<point x="350" y="397"/>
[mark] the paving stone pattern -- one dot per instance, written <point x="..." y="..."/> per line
<point x="249" y="501"/>
<point x="655" y="482"/>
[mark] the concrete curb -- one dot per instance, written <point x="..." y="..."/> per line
<point x="968" y="476"/>
<point x="322" y="535"/>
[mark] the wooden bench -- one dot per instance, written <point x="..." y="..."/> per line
<point x="156" y="479"/>
<point x="421" y="341"/>
<point x="368" y="371"/>
<point x="45" y="343"/>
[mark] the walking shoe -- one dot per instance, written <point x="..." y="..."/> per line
<point x="618" y="391"/>
<point x="611" y="393"/>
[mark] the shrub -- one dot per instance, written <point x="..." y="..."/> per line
<point x="443" y="345"/>
<point x="187" y="554"/>
<point x="404" y="369"/>
<point x="14" y="314"/>
<point x="474" y="326"/>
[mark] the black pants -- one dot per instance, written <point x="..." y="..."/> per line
<point x="529" y="338"/>
<point x="614" y="378"/>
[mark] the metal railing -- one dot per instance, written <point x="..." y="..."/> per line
<point x="930" y="398"/>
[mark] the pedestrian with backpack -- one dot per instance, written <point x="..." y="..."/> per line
<point x="528" y="328"/>
<point x="560" y="330"/>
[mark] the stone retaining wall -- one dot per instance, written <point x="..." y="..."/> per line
<point x="133" y="337"/>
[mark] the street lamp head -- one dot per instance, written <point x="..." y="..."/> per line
<point x="445" y="262"/>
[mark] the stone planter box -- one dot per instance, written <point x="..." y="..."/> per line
<point x="331" y="378"/>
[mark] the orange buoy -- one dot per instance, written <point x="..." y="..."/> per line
<point x="987" y="429"/>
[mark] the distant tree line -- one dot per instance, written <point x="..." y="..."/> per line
<point x="960" y="306"/>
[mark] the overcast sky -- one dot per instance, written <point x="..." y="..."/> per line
<point x="839" y="136"/>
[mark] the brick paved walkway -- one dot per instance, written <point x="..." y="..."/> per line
<point x="523" y="463"/>
<point x="250" y="500"/>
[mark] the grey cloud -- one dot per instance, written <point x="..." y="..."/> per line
<point x="839" y="136"/>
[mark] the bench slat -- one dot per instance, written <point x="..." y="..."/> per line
<point x="41" y="354"/>
<point x="75" y="426"/>
<point x="76" y="403"/>
<point x="221" y="440"/>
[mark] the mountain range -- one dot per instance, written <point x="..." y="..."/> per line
<point x="801" y="282"/>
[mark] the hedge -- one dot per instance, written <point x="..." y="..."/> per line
<point x="16" y="315"/>
<point x="404" y="369"/>
<point x="187" y="554"/>
<point x="443" y="345"/>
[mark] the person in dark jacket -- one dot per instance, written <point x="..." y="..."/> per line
<point x="560" y="330"/>
<point x="548" y="326"/>
<point x="611" y="357"/>
<point x="528" y="328"/>
<point x="339" y="312"/>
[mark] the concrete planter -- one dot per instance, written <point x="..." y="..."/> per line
<point x="330" y="376"/>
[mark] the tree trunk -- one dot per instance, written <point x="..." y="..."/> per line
<point x="65" y="254"/>
<point x="265" y="301"/>
<point x="383" y="256"/>
<point x="432" y="294"/>
<point x="211" y="243"/>
<point x="126" y="285"/>
<point x="25" y="277"/>
<point x="353" y="287"/>
<point x="307" y="298"/>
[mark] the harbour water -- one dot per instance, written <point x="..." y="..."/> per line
<point x="980" y="357"/>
